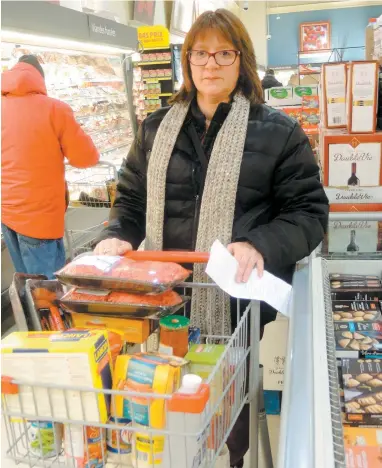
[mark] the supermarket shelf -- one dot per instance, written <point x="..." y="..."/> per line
<point x="106" y="129"/>
<point x="155" y="80"/>
<point x="111" y="112"/>
<point x="114" y="148"/>
<point x="154" y="96"/>
<point x="159" y="62"/>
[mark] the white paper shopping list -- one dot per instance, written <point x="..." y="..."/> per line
<point x="222" y="268"/>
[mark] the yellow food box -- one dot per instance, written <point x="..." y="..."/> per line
<point x="133" y="331"/>
<point x="46" y="362"/>
<point x="362" y="436"/>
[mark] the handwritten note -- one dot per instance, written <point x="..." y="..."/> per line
<point x="222" y="268"/>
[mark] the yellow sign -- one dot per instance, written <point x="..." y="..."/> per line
<point x="154" y="37"/>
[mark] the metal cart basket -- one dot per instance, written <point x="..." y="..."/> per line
<point x="234" y="382"/>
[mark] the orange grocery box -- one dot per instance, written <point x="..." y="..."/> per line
<point x="363" y="436"/>
<point x="363" y="457"/>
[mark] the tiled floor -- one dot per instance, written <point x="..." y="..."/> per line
<point x="273" y="427"/>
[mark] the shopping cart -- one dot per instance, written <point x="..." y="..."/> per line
<point x="235" y="378"/>
<point x="93" y="187"/>
<point x="79" y="241"/>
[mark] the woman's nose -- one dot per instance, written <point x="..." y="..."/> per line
<point x="211" y="63"/>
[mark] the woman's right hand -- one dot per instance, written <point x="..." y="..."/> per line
<point x="112" y="247"/>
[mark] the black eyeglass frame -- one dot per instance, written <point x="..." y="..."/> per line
<point x="212" y="54"/>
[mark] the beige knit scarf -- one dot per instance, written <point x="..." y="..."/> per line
<point x="210" y="307"/>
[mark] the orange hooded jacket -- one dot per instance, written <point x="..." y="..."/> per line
<point x="37" y="133"/>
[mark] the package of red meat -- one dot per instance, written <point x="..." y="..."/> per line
<point x="121" y="304"/>
<point x="122" y="274"/>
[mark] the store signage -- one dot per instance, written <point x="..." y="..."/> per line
<point x="154" y="37"/>
<point x="102" y="30"/>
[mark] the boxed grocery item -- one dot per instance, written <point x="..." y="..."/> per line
<point x="69" y="358"/>
<point x="146" y="373"/>
<point x="334" y="83"/>
<point x="133" y="331"/>
<point x="363" y="97"/>
<point x="355" y="338"/>
<point x="281" y="96"/>
<point x="352" y="160"/>
<point x="363" y="457"/>
<point x="362" y="384"/>
<point x="300" y="92"/>
<point x="362" y="436"/>
<point x="293" y="111"/>
<point x="202" y="360"/>
<point x="356" y="311"/>
<point x="122" y="274"/>
<point x="351" y="237"/>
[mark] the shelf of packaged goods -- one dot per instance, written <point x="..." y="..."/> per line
<point x="94" y="98"/>
<point x="311" y="426"/>
<point x="114" y="148"/>
<point x="105" y="129"/>
<point x="102" y="114"/>
<point x="158" y="62"/>
<point x="156" y="80"/>
<point x="109" y="80"/>
<point x="157" y="96"/>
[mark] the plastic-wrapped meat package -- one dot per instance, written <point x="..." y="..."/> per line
<point x="90" y="265"/>
<point x="150" y="272"/>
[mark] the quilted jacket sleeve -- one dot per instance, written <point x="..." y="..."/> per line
<point x="127" y="219"/>
<point x="303" y="206"/>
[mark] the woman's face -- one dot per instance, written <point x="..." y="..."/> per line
<point x="213" y="80"/>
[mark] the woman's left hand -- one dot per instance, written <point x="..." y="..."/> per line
<point x="248" y="258"/>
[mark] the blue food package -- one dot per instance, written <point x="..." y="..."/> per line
<point x="194" y="335"/>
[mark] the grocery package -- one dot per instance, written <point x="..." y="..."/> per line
<point x="362" y="436"/>
<point x="334" y="84"/>
<point x="194" y="335"/>
<point x="202" y="360"/>
<point x="114" y="338"/>
<point x="355" y="338"/>
<point x="118" y="441"/>
<point x="45" y="439"/>
<point x="174" y="335"/>
<point x="69" y="358"/>
<point x="356" y="311"/>
<point x="146" y="373"/>
<point x="148" y="450"/>
<point x="43" y="304"/>
<point x="362" y="383"/>
<point x="363" y="457"/>
<point x="129" y="330"/>
<point x="362" y="105"/>
<point x="84" y="446"/>
<point x="123" y="305"/>
<point x="120" y="273"/>
<point x="186" y="412"/>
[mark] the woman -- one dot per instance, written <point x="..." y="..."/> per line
<point x="219" y="164"/>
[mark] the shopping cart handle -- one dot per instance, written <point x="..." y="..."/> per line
<point x="169" y="256"/>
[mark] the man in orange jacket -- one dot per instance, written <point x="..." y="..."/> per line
<point x="37" y="133"/>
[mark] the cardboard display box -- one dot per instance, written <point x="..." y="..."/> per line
<point x="362" y="105"/>
<point x="334" y="84"/>
<point x="353" y="166"/>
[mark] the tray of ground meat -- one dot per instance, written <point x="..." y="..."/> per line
<point x="121" y="304"/>
<point x="122" y="274"/>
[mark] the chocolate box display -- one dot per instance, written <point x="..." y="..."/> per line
<point x="356" y="311"/>
<point x="353" y="338"/>
<point x="362" y="384"/>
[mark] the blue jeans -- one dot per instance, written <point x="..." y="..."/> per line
<point x="34" y="256"/>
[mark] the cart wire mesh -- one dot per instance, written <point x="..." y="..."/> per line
<point x="80" y="241"/>
<point x="71" y="410"/>
<point x="94" y="187"/>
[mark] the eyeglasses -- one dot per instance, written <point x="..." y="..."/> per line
<point x="224" y="58"/>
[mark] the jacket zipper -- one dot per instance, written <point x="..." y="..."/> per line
<point x="196" y="219"/>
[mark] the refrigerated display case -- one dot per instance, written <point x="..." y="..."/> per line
<point x="311" y="432"/>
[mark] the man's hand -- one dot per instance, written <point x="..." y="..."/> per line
<point x="248" y="258"/>
<point x="112" y="247"/>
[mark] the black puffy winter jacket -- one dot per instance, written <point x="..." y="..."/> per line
<point x="281" y="207"/>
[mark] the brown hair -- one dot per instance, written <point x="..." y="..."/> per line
<point x="230" y="26"/>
